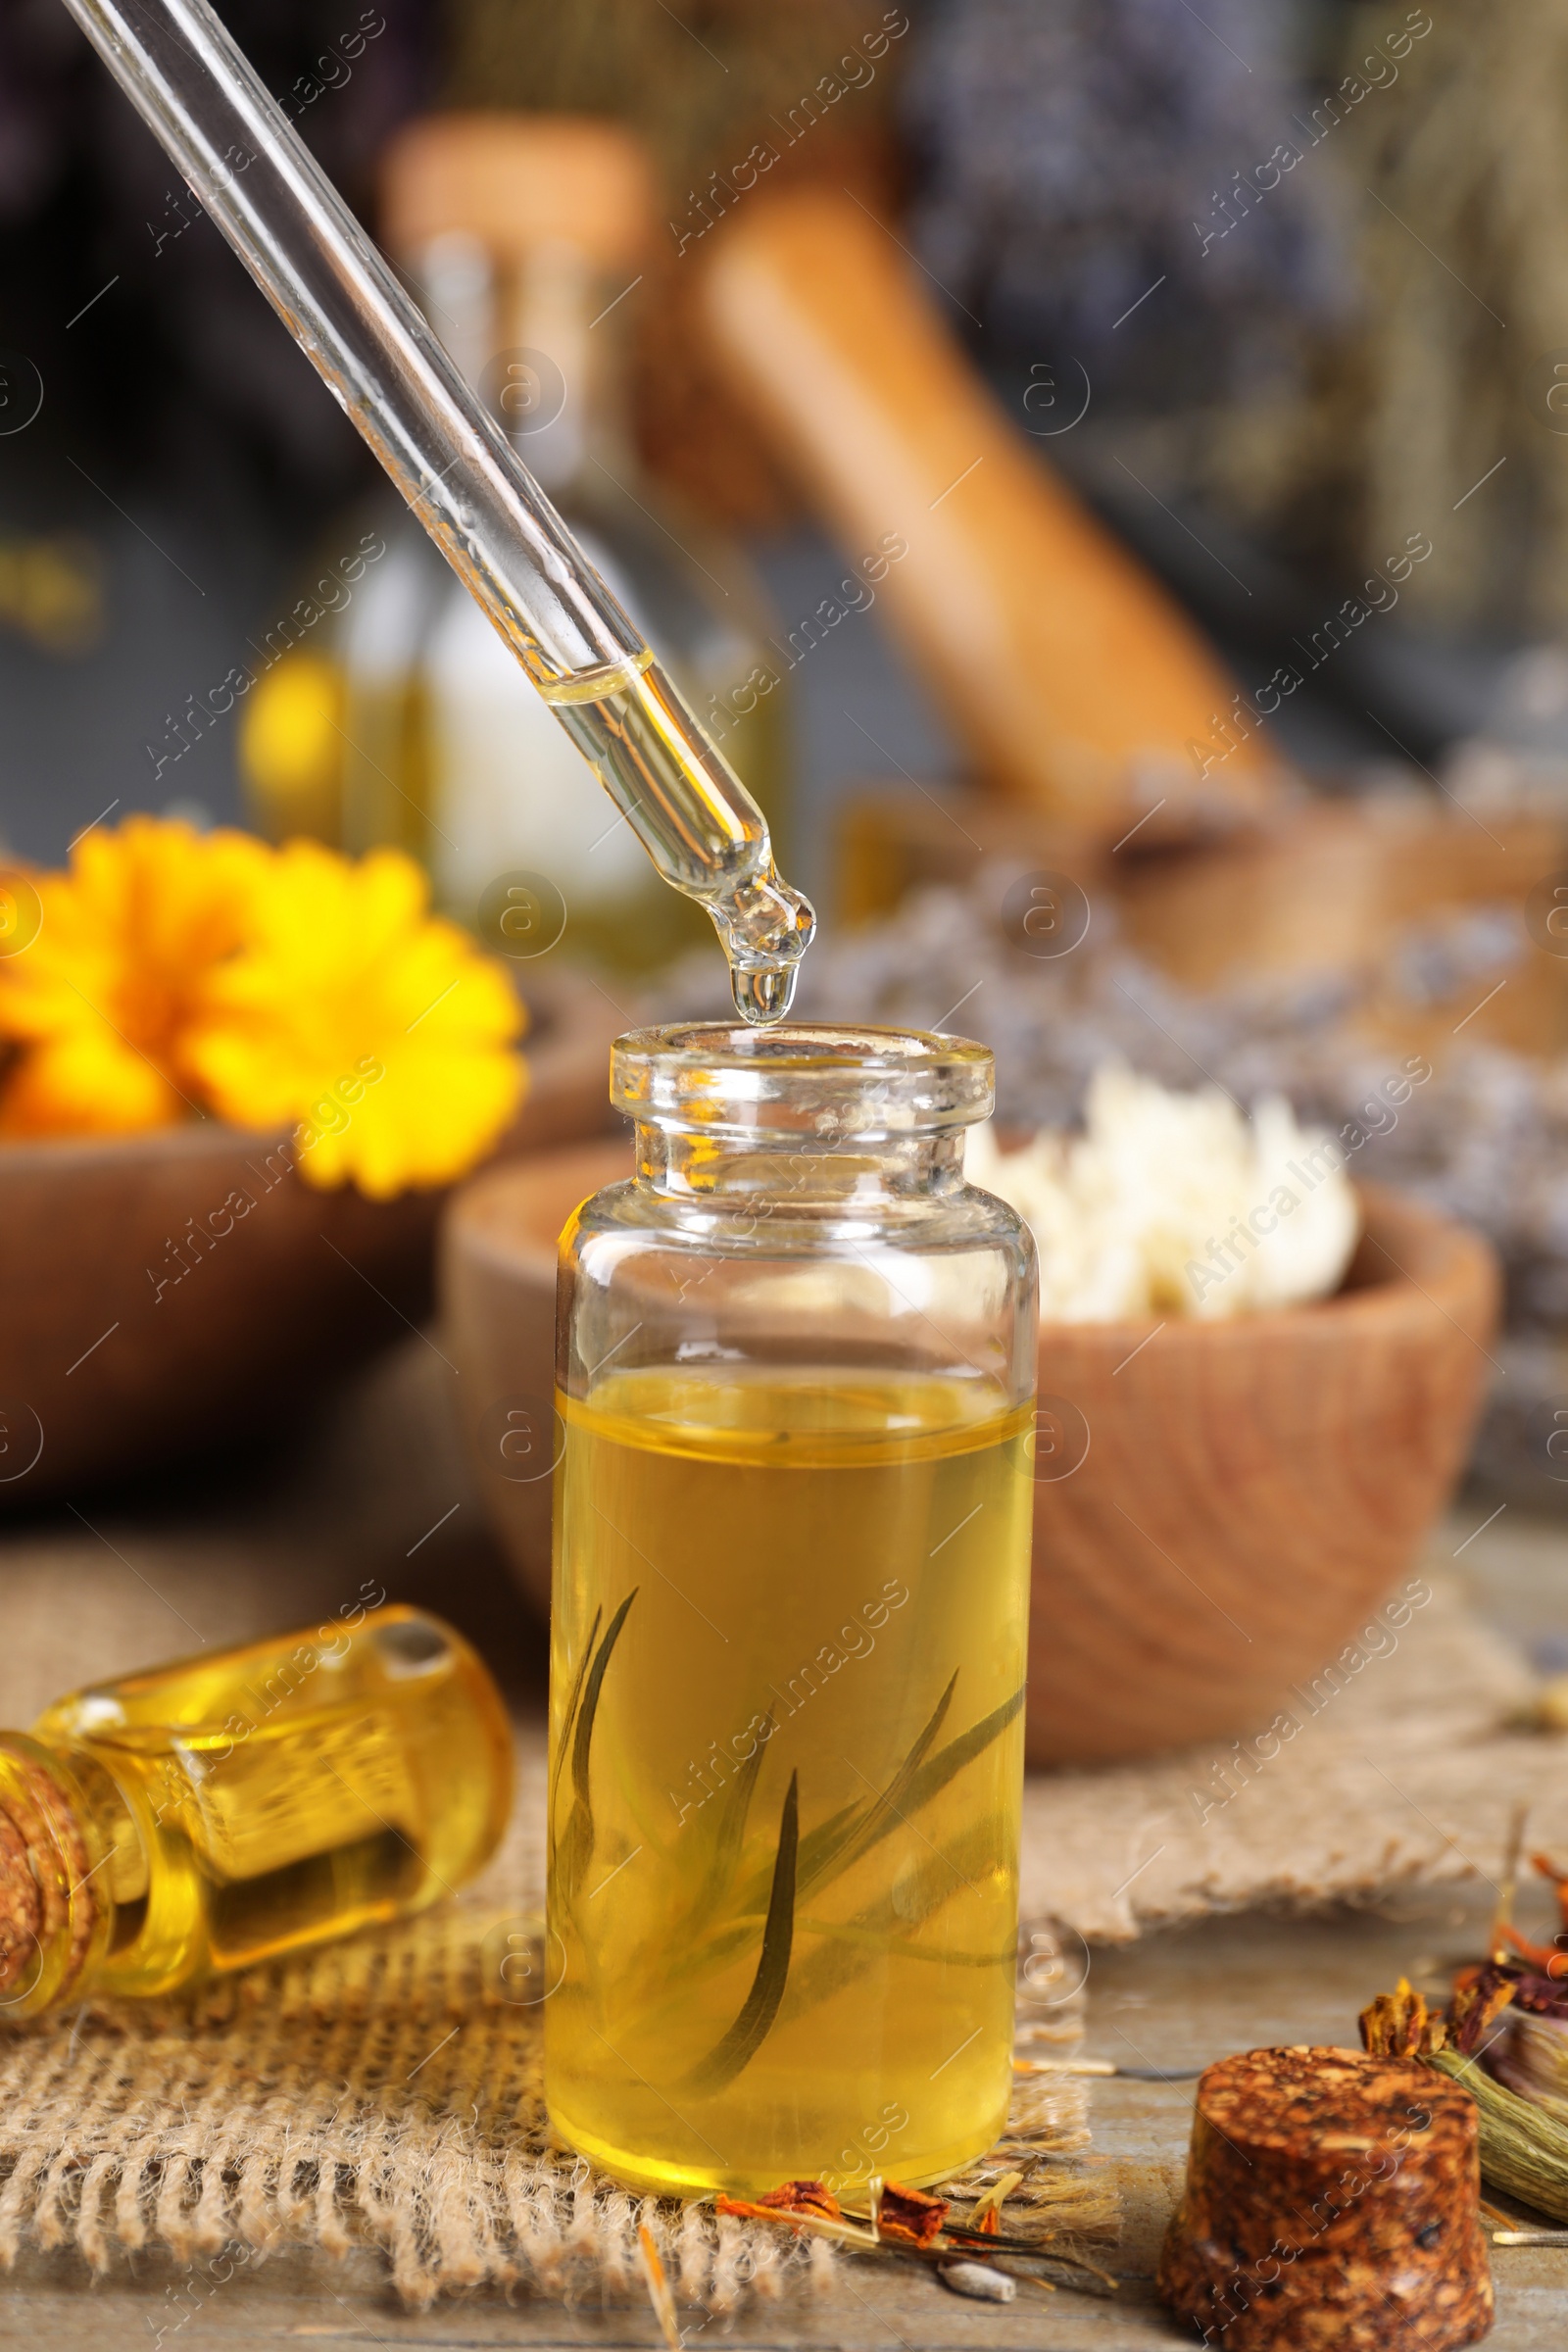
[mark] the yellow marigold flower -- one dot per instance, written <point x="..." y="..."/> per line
<point x="378" y="1027"/>
<point x="102" y="1000"/>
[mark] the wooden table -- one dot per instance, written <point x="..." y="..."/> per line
<point x="1173" y="2001"/>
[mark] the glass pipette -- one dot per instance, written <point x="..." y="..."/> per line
<point x="376" y="354"/>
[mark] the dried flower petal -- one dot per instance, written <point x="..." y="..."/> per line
<point x="1400" y="2024"/>
<point x="804" y="2196"/>
<point x="1121" y="1213"/>
<point x="1479" y="1996"/>
<point x="985" y="2215"/>
<point x="909" y="2214"/>
<point x="1546" y="1959"/>
<point x="804" y="2217"/>
<point x="1542" y="1996"/>
<point x="658" y="2295"/>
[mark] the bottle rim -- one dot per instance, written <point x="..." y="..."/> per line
<point x="837" y="1084"/>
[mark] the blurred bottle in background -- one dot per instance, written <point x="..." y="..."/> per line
<point x="404" y="719"/>
<point x="292" y="745"/>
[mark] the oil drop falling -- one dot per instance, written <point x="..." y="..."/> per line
<point x="766" y="995"/>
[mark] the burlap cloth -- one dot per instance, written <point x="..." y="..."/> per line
<point x="384" y="2091"/>
<point x="1407" y="1772"/>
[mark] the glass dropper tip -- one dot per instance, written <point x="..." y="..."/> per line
<point x="765" y="928"/>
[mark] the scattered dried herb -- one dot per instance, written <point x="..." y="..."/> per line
<point x="1523" y="2151"/>
<point x="816" y="2225"/>
<point x="1524" y="2140"/>
<point x="754" y="2024"/>
<point x="986" y="2212"/>
<point x="809" y="2206"/>
<point x="1479" y="1996"/>
<point x="1549" y="1959"/>
<point x="990" y="2241"/>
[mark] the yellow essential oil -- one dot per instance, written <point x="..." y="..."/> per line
<point x="786" y="1766"/>
<point x="243" y="1803"/>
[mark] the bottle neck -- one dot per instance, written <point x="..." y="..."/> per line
<point x="554" y="296"/>
<point x="782" y="1172"/>
<point x="809" y="1113"/>
<point x="536" y="343"/>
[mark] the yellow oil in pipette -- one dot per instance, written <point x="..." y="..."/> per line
<point x="698" y="824"/>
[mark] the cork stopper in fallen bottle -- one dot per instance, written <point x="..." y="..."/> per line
<point x="20" y="1909"/>
<point x="47" y="1899"/>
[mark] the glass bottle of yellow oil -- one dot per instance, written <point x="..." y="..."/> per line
<point x="243" y="1803"/>
<point x="792" y="1506"/>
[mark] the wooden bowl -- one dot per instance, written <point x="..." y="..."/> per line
<point x="1250" y="1488"/>
<point x="1217" y="1505"/>
<point x="160" y="1294"/>
<point x="496" y="1274"/>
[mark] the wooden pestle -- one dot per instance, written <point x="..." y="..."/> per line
<point x="1075" y="681"/>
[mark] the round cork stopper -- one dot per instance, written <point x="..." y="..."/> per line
<point x="516" y="180"/>
<point x="46" y="1893"/>
<point x="1331" y="2199"/>
<point x="21" y="1910"/>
